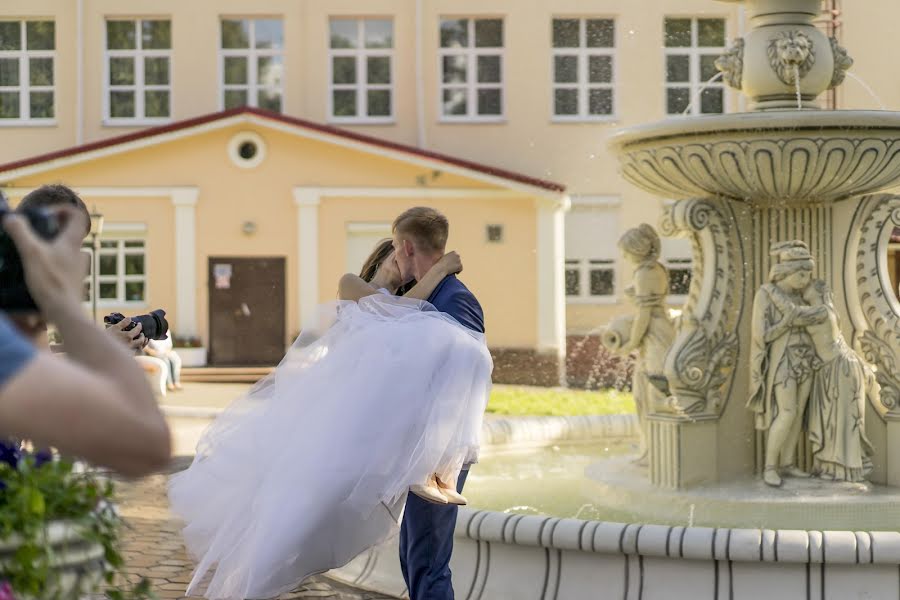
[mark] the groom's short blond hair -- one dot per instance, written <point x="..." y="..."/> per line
<point x="425" y="227"/>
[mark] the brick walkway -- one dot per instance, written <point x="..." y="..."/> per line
<point x="153" y="547"/>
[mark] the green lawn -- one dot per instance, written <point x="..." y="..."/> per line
<point x="532" y="401"/>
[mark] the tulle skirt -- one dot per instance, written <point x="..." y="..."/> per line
<point x="312" y="465"/>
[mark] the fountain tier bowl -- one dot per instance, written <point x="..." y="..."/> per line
<point x="778" y="157"/>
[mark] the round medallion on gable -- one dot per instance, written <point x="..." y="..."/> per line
<point x="247" y="149"/>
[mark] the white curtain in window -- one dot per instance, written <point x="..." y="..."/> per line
<point x="592" y="232"/>
<point x="678" y="249"/>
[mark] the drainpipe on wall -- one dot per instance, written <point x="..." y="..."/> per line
<point x="79" y="72"/>
<point x="420" y="85"/>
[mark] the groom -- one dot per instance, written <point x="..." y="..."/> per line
<point x="426" y="535"/>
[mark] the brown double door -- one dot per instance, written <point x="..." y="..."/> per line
<point x="246" y="311"/>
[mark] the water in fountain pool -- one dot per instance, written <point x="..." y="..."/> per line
<point x="547" y="481"/>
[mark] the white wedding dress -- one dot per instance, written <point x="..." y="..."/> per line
<point x="313" y="464"/>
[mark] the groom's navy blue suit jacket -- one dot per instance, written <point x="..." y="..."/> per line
<point x="455" y="299"/>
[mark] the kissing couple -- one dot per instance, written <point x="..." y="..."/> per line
<point x="384" y="393"/>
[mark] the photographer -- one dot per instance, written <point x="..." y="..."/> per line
<point x="52" y="197"/>
<point x="97" y="405"/>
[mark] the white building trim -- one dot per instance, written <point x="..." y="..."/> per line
<point x="186" y="282"/>
<point x="595" y="200"/>
<point x="295" y="129"/>
<point x="551" y="255"/>
<point x="307" y="201"/>
<point x="414" y="192"/>
<point x="123" y="192"/>
<point x="367" y="227"/>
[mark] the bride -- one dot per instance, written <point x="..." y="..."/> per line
<point x="313" y="464"/>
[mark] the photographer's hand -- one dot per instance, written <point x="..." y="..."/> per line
<point x="54" y="269"/>
<point x="133" y="338"/>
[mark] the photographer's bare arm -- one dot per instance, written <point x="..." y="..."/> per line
<point x="95" y="404"/>
<point x="353" y="287"/>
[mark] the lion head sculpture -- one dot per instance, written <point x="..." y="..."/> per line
<point x="791" y="55"/>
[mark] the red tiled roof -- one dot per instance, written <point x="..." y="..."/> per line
<point x="327" y="129"/>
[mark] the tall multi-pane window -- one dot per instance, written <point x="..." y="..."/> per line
<point x="121" y="271"/>
<point x="583" y="68"/>
<point x="592" y="228"/>
<point x="252" y="63"/>
<point x="471" y="56"/>
<point x="27" y="71"/>
<point x="691" y="49"/>
<point x="360" y="60"/>
<point x="138" y="79"/>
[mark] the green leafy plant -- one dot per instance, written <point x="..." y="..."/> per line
<point x="37" y="491"/>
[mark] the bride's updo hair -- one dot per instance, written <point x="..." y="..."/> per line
<point x="378" y="256"/>
<point x="641" y="241"/>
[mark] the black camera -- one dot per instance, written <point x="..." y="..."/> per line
<point x="14" y="295"/>
<point x="154" y="325"/>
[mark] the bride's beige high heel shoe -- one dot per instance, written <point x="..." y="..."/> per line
<point x="453" y="497"/>
<point x="430" y="492"/>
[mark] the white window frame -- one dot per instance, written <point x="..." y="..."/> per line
<point x="362" y="86"/>
<point x="252" y="53"/>
<point x="583" y="53"/>
<point x="139" y="87"/>
<point x="585" y="266"/>
<point x="25" y="87"/>
<point x="471" y="52"/>
<point x="120" y="278"/>
<point x="694" y="52"/>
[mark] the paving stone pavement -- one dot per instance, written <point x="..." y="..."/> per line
<point x="152" y="546"/>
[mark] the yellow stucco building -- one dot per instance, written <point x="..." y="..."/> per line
<point x="497" y="112"/>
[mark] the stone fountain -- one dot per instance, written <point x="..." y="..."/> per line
<point x="785" y="363"/>
<point x="785" y="173"/>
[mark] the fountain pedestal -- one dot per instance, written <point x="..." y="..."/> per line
<point x="681" y="451"/>
<point x="742" y="182"/>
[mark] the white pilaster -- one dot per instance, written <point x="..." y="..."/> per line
<point x="186" y="282"/>
<point x="307" y="201"/>
<point x="551" y="275"/>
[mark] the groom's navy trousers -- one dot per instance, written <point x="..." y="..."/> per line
<point x="426" y="535"/>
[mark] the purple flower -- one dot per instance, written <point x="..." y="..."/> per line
<point x="10" y="454"/>
<point x="41" y="457"/>
<point x="6" y="591"/>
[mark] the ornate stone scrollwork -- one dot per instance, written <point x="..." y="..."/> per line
<point x="731" y="64"/>
<point x="796" y="170"/>
<point x="842" y="62"/>
<point x="791" y="55"/>
<point x="700" y="364"/>
<point x="872" y="303"/>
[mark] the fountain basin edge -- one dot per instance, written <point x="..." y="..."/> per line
<point x="520" y="557"/>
